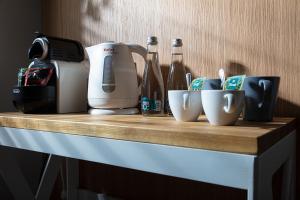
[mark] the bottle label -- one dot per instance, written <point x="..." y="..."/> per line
<point x="150" y="104"/>
<point x="157" y="104"/>
<point x="145" y="103"/>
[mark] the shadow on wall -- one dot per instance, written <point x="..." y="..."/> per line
<point x="235" y="68"/>
<point x="165" y="72"/>
<point x="93" y="8"/>
<point x="93" y="11"/>
<point x="285" y="108"/>
<point x="76" y="24"/>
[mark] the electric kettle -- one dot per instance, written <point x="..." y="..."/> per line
<point x="113" y="83"/>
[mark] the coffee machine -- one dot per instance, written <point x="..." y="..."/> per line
<point x="66" y="90"/>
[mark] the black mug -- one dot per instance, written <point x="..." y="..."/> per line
<point x="212" y="84"/>
<point x="260" y="97"/>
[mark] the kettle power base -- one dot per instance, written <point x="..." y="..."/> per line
<point x="116" y="111"/>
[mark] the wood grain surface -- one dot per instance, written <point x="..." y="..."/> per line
<point x="245" y="137"/>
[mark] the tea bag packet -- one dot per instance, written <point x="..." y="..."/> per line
<point x="197" y="84"/>
<point x="234" y="82"/>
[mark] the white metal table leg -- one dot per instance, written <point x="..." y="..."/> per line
<point x="260" y="187"/>
<point x="289" y="176"/>
<point x="250" y="192"/>
<point x="266" y="164"/>
<point x="48" y="178"/>
<point x="264" y="187"/>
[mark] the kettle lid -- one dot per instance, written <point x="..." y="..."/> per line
<point x="97" y="47"/>
<point x="111" y="43"/>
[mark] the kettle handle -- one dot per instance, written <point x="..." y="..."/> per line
<point x="134" y="48"/>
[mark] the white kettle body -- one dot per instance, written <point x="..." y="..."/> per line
<point x="113" y="79"/>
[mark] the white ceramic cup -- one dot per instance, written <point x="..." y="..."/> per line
<point x="223" y="107"/>
<point x="185" y="105"/>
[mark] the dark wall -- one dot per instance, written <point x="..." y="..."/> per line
<point x="18" y="20"/>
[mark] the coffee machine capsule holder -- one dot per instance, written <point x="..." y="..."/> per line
<point x="66" y="91"/>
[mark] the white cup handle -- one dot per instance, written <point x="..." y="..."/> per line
<point x="186" y="101"/>
<point x="228" y="107"/>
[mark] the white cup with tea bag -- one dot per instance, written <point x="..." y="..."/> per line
<point x="185" y="105"/>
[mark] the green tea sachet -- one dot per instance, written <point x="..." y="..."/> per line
<point x="197" y="84"/>
<point x="234" y="82"/>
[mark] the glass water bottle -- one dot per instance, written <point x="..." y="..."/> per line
<point x="177" y="73"/>
<point x="152" y="98"/>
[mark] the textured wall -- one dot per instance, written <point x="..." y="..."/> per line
<point x="257" y="37"/>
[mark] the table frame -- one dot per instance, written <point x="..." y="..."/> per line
<point x="249" y="172"/>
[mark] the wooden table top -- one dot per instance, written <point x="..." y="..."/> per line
<point x="245" y="137"/>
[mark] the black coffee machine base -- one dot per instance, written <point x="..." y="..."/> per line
<point x="35" y="99"/>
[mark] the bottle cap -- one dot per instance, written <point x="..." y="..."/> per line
<point x="152" y="40"/>
<point x="177" y="42"/>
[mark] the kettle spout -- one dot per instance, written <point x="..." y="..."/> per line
<point x="86" y="56"/>
<point x="93" y="50"/>
<point x="88" y="52"/>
